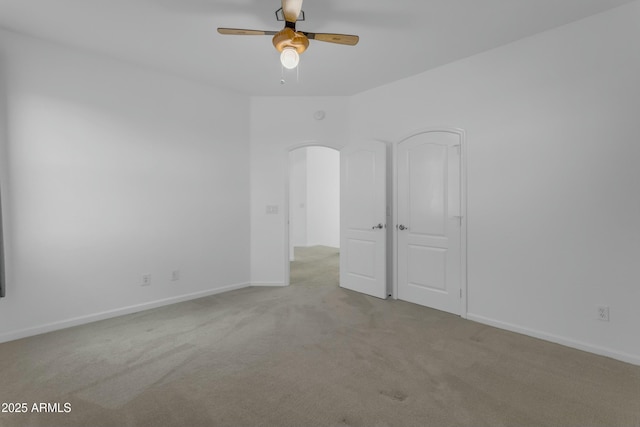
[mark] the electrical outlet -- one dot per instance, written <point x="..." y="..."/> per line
<point x="175" y="275"/>
<point x="603" y="313"/>
<point x="146" y="280"/>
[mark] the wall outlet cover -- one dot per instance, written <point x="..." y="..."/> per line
<point x="603" y="313"/>
<point x="146" y="280"/>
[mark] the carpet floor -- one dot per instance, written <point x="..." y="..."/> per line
<point x="311" y="354"/>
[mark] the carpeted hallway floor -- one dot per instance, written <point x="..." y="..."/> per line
<point x="311" y="354"/>
<point x="316" y="266"/>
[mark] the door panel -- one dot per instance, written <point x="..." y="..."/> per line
<point x="429" y="238"/>
<point x="362" y="259"/>
<point x="360" y="180"/>
<point x="363" y="208"/>
<point x="426" y="208"/>
<point x="427" y="267"/>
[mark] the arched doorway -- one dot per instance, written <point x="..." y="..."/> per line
<point x="313" y="215"/>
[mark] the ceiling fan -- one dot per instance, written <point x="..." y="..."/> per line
<point x="289" y="42"/>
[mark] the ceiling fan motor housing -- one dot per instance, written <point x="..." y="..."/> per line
<point x="290" y="38"/>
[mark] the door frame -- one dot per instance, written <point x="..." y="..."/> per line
<point x="463" y="209"/>
<point x="287" y="202"/>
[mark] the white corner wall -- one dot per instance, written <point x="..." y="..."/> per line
<point x="553" y="177"/>
<point x="279" y="124"/>
<point x="298" y="199"/>
<point x="323" y="197"/>
<point x="314" y="197"/>
<point x="115" y="172"/>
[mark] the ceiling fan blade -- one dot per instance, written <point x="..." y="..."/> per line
<point x="291" y="9"/>
<point x="241" y="32"/>
<point x="347" y="39"/>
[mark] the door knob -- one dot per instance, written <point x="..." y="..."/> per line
<point x="402" y="227"/>
<point x="379" y="226"/>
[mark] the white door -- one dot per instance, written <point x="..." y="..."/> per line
<point x="363" y="218"/>
<point x="430" y="220"/>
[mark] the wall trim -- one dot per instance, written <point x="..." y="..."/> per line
<point x="81" y="320"/>
<point x="568" y="342"/>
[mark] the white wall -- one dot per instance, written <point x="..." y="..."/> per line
<point x="115" y="172"/>
<point x="323" y="197"/>
<point x="314" y="197"/>
<point x="298" y="199"/>
<point x="553" y="177"/>
<point x="279" y="124"/>
<point x="4" y="175"/>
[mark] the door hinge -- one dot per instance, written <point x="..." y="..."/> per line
<point x="460" y="293"/>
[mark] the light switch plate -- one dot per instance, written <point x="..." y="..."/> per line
<point x="272" y="209"/>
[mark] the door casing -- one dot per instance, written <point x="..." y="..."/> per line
<point x="287" y="184"/>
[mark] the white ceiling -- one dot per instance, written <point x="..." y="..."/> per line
<point x="398" y="38"/>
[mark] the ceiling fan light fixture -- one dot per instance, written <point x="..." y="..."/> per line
<point x="289" y="42"/>
<point x="289" y="58"/>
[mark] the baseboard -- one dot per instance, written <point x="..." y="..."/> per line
<point x="602" y="351"/>
<point x="81" y="320"/>
<point x="280" y="284"/>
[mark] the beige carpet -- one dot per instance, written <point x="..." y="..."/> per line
<point x="311" y="354"/>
